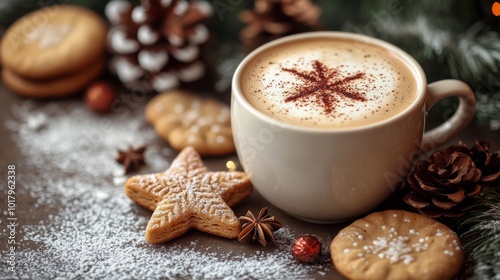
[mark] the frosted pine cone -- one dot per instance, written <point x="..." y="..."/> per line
<point x="157" y="44"/>
<point x="441" y="186"/>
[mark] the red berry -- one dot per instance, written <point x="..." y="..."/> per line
<point x="99" y="97"/>
<point x="307" y="249"/>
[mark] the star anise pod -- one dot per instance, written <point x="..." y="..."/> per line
<point x="258" y="229"/>
<point x="131" y="159"/>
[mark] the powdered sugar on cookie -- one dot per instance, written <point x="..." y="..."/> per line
<point x="184" y="119"/>
<point x="48" y="34"/>
<point x="400" y="242"/>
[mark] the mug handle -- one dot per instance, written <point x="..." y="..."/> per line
<point x="463" y="115"/>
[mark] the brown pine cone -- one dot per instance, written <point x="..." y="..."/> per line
<point x="491" y="173"/>
<point x="157" y="44"/>
<point x="488" y="163"/>
<point x="441" y="186"/>
<point x="272" y="19"/>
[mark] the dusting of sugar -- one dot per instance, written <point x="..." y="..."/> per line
<point x="46" y="35"/>
<point x="194" y="129"/>
<point x="215" y="128"/>
<point x="219" y="139"/>
<point x="93" y="230"/>
<point x="448" y="252"/>
<point x="396" y="247"/>
<point x="178" y="108"/>
<point x="191" y="138"/>
<point x="457" y="246"/>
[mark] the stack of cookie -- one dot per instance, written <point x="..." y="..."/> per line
<point x="53" y="52"/>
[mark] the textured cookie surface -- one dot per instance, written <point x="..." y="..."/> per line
<point x="184" y="119"/>
<point x="396" y="244"/>
<point x="188" y="196"/>
<point x="53" y="41"/>
<point x="52" y="88"/>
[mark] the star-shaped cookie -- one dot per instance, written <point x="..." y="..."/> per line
<point x="188" y="196"/>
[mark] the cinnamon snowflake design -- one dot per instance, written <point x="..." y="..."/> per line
<point x="325" y="85"/>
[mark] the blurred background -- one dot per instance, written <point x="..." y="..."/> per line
<point x="457" y="39"/>
<point x="451" y="39"/>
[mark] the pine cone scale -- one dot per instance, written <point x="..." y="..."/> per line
<point x="457" y="196"/>
<point x="424" y="181"/>
<point x="492" y="171"/>
<point x="446" y="205"/>
<point x="416" y="200"/>
<point x="276" y="28"/>
<point x="193" y="16"/>
<point x="476" y="191"/>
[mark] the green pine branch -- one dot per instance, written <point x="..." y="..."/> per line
<point x="475" y="55"/>
<point x="479" y="231"/>
<point x="472" y="56"/>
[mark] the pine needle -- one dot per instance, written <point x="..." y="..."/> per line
<point x="480" y="233"/>
<point x="473" y="55"/>
<point x="477" y="53"/>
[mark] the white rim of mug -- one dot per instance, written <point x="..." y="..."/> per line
<point x="413" y="66"/>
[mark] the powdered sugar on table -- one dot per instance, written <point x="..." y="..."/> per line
<point x="91" y="229"/>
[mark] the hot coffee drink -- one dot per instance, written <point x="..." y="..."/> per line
<point x="326" y="123"/>
<point x="328" y="83"/>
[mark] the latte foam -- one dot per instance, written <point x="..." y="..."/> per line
<point x="328" y="83"/>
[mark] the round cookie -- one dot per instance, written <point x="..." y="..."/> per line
<point x="184" y="119"/>
<point x="53" y="41"/>
<point x="53" y="88"/>
<point x="396" y="244"/>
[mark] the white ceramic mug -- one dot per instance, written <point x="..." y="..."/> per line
<point x="331" y="175"/>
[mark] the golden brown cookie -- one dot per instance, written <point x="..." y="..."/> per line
<point x="54" y="41"/>
<point x="188" y="196"/>
<point x="52" y="88"/>
<point x="184" y="119"/>
<point x="396" y="244"/>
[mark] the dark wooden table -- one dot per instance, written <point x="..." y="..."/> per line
<point x="43" y="224"/>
